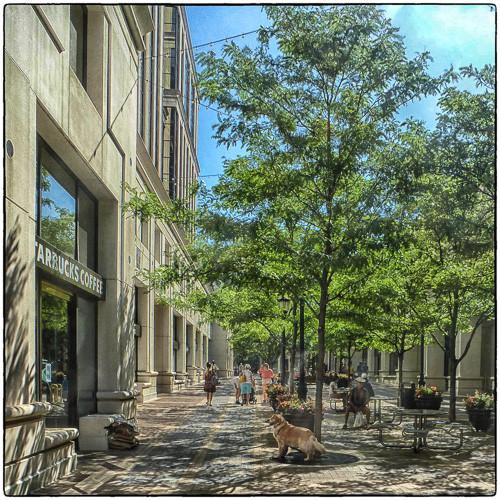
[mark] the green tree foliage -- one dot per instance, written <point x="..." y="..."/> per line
<point x="310" y="118"/>
<point x="447" y="189"/>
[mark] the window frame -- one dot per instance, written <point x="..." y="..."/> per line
<point x="42" y="144"/>
<point x="85" y="12"/>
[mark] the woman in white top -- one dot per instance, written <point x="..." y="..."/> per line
<point x="246" y="387"/>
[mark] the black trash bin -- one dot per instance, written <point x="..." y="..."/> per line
<point x="408" y="395"/>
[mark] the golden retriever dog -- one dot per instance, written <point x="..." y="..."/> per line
<point x="298" y="438"/>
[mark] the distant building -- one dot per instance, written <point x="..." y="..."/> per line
<point x="220" y="350"/>
<point x="475" y="371"/>
<point x="95" y="96"/>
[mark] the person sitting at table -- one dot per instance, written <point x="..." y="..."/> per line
<point x="358" y="402"/>
<point x="367" y="385"/>
<point x="333" y="385"/>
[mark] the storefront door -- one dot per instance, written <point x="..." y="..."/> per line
<point x="57" y="349"/>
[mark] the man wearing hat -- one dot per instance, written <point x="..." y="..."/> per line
<point x="358" y="402"/>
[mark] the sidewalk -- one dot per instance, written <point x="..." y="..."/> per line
<point x="188" y="448"/>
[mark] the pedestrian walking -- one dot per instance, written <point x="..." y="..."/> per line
<point x="209" y="387"/>
<point x="237" y="389"/>
<point x="267" y="378"/>
<point x="214" y="366"/>
<point x="246" y="387"/>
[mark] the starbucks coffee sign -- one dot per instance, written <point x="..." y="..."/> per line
<point x="70" y="270"/>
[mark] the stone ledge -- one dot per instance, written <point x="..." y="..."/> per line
<point x="117" y="394"/>
<point x="25" y="411"/>
<point x="56" y="437"/>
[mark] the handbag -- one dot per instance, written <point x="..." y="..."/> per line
<point x="242" y="379"/>
<point x="358" y="419"/>
<point x="215" y="380"/>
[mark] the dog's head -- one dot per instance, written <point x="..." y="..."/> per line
<point x="276" y="419"/>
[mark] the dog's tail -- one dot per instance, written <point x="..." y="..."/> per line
<point x="319" y="447"/>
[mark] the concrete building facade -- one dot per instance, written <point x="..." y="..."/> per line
<point x="97" y="97"/>
<point x="475" y="372"/>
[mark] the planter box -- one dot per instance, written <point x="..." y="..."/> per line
<point x="480" y="419"/>
<point x="428" y="404"/>
<point x="304" y="420"/>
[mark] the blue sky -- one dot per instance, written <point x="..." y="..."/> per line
<point x="457" y="35"/>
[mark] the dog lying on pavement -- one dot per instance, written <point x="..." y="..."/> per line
<point x="298" y="438"/>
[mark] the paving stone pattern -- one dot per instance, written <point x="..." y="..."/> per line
<point x="187" y="448"/>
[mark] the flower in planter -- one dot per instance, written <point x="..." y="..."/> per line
<point x="273" y="391"/>
<point x="480" y="401"/>
<point x="425" y="392"/>
<point x="283" y="397"/>
<point x="295" y="406"/>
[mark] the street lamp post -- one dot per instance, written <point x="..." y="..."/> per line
<point x="421" y="381"/>
<point x="284" y="304"/>
<point x="302" y="388"/>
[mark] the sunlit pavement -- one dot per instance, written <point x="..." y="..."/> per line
<point x="187" y="448"/>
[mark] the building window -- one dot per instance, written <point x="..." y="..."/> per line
<point x="78" y="41"/>
<point x="57" y="206"/>
<point x="141" y="94"/>
<point x="191" y="122"/>
<point x="66" y="212"/>
<point x="172" y="147"/>
<point x="171" y="19"/>
<point x="187" y="90"/>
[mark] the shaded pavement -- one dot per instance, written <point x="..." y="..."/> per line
<point x="187" y="448"/>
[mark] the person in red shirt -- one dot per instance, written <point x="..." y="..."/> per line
<point x="267" y="378"/>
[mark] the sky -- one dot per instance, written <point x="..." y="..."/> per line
<point x="457" y="35"/>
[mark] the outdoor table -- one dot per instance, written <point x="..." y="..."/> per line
<point x="377" y="406"/>
<point x="344" y="392"/>
<point x="419" y="431"/>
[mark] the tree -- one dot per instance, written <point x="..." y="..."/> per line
<point x="386" y="305"/>
<point x="449" y="195"/>
<point x="310" y="120"/>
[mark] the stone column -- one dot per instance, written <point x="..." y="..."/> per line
<point x="384" y="366"/>
<point x="205" y="350"/>
<point x="469" y="370"/>
<point x="181" y="352"/>
<point x="370" y="361"/>
<point x="163" y="349"/>
<point x="191" y="355"/>
<point x="434" y="365"/>
<point x="411" y="365"/>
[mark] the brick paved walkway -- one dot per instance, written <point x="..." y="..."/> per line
<point x="188" y="448"/>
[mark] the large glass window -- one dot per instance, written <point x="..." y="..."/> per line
<point x="78" y="41"/>
<point x="58" y="205"/>
<point x="66" y="213"/>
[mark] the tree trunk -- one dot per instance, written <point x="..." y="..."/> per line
<point x="400" y="374"/>
<point x="320" y="358"/>
<point x="452" y="356"/>
<point x="293" y="351"/>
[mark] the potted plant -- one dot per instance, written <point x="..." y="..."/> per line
<point x="428" y="398"/>
<point x="343" y="380"/>
<point x="479" y="408"/>
<point x="298" y="413"/>
<point x="273" y="391"/>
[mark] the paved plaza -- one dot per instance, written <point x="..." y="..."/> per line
<point x="187" y="448"/>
